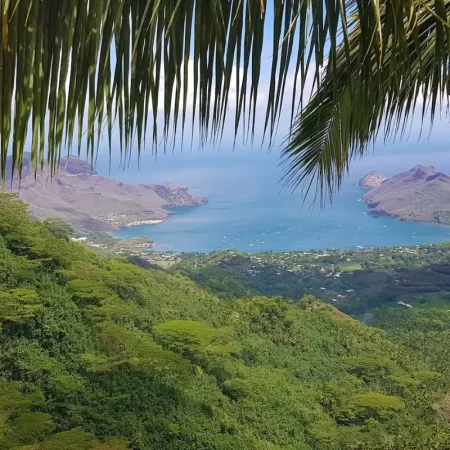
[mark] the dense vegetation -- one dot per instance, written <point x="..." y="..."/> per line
<point x="356" y="281"/>
<point x="98" y="353"/>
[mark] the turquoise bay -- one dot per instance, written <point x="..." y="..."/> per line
<point x="248" y="209"/>
<point x="262" y="224"/>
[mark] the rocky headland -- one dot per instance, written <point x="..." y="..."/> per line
<point x="88" y="201"/>
<point x="421" y="194"/>
<point x="371" y="180"/>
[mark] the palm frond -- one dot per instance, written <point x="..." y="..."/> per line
<point x="354" y="103"/>
<point x="76" y="66"/>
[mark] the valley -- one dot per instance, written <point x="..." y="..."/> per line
<point x="355" y="281"/>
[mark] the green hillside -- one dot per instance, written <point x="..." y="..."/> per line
<point x="98" y="353"/>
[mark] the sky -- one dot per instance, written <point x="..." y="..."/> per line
<point x="389" y="158"/>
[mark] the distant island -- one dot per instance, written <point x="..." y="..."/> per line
<point x="418" y="195"/>
<point x="90" y="202"/>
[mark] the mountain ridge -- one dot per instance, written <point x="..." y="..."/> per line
<point x="420" y="194"/>
<point x="88" y="201"/>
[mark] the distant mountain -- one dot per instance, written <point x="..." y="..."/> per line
<point x="418" y="195"/>
<point x="88" y="201"/>
<point x="371" y="180"/>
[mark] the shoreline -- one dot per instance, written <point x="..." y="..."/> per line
<point x="136" y="223"/>
<point x="379" y="214"/>
<point x="382" y="240"/>
<point x="143" y="222"/>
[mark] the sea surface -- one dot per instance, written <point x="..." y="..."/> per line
<point x="249" y="210"/>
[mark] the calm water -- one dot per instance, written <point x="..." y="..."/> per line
<point x="248" y="212"/>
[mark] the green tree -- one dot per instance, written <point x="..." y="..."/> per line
<point x="370" y="405"/>
<point x="96" y="353"/>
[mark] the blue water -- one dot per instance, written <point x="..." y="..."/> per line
<point x="249" y="211"/>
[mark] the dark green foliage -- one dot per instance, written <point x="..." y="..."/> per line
<point x="99" y="354"/>
<point x="58" y="228"/>
<point x="355" y="281"/>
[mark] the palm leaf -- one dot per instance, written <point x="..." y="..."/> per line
<point x="75" y="65"/>
<point x="356" y="101"/>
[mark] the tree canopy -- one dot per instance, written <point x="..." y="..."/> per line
<point x="99" y="354"/>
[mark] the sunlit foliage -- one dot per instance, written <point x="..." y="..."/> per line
<point x="99" y="354"/>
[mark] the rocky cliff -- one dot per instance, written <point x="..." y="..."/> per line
<point x="418" y="195"/>
<point x="88" y="201"/>
<point x="371" y="180"/>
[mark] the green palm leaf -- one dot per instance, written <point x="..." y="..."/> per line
<point x="354" y="102"/>
<point x="76" y="66"/>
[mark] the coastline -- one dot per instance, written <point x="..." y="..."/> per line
<point x="143" y="222"/>
<point x="168" y="210"/>
<point x="380" y="213"/>
<point x="204" y="230"/>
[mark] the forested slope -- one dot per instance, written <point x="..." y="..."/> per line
<point x="100" y="354"/>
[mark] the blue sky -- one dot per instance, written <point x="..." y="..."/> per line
<point x="389" y="158"/>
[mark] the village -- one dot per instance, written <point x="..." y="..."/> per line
<point x="106" y="244"/>
<point x="350" y="279"/>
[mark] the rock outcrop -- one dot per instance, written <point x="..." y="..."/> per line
<point x="88" y="201"/>
<point x="418" y="195"/>
<point x="371" y="180"/>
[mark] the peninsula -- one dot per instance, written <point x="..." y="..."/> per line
<point x="419" y="195"/>
<point x="87" y="201"/>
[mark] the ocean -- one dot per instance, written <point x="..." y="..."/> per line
<point x="249" y="210"/>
